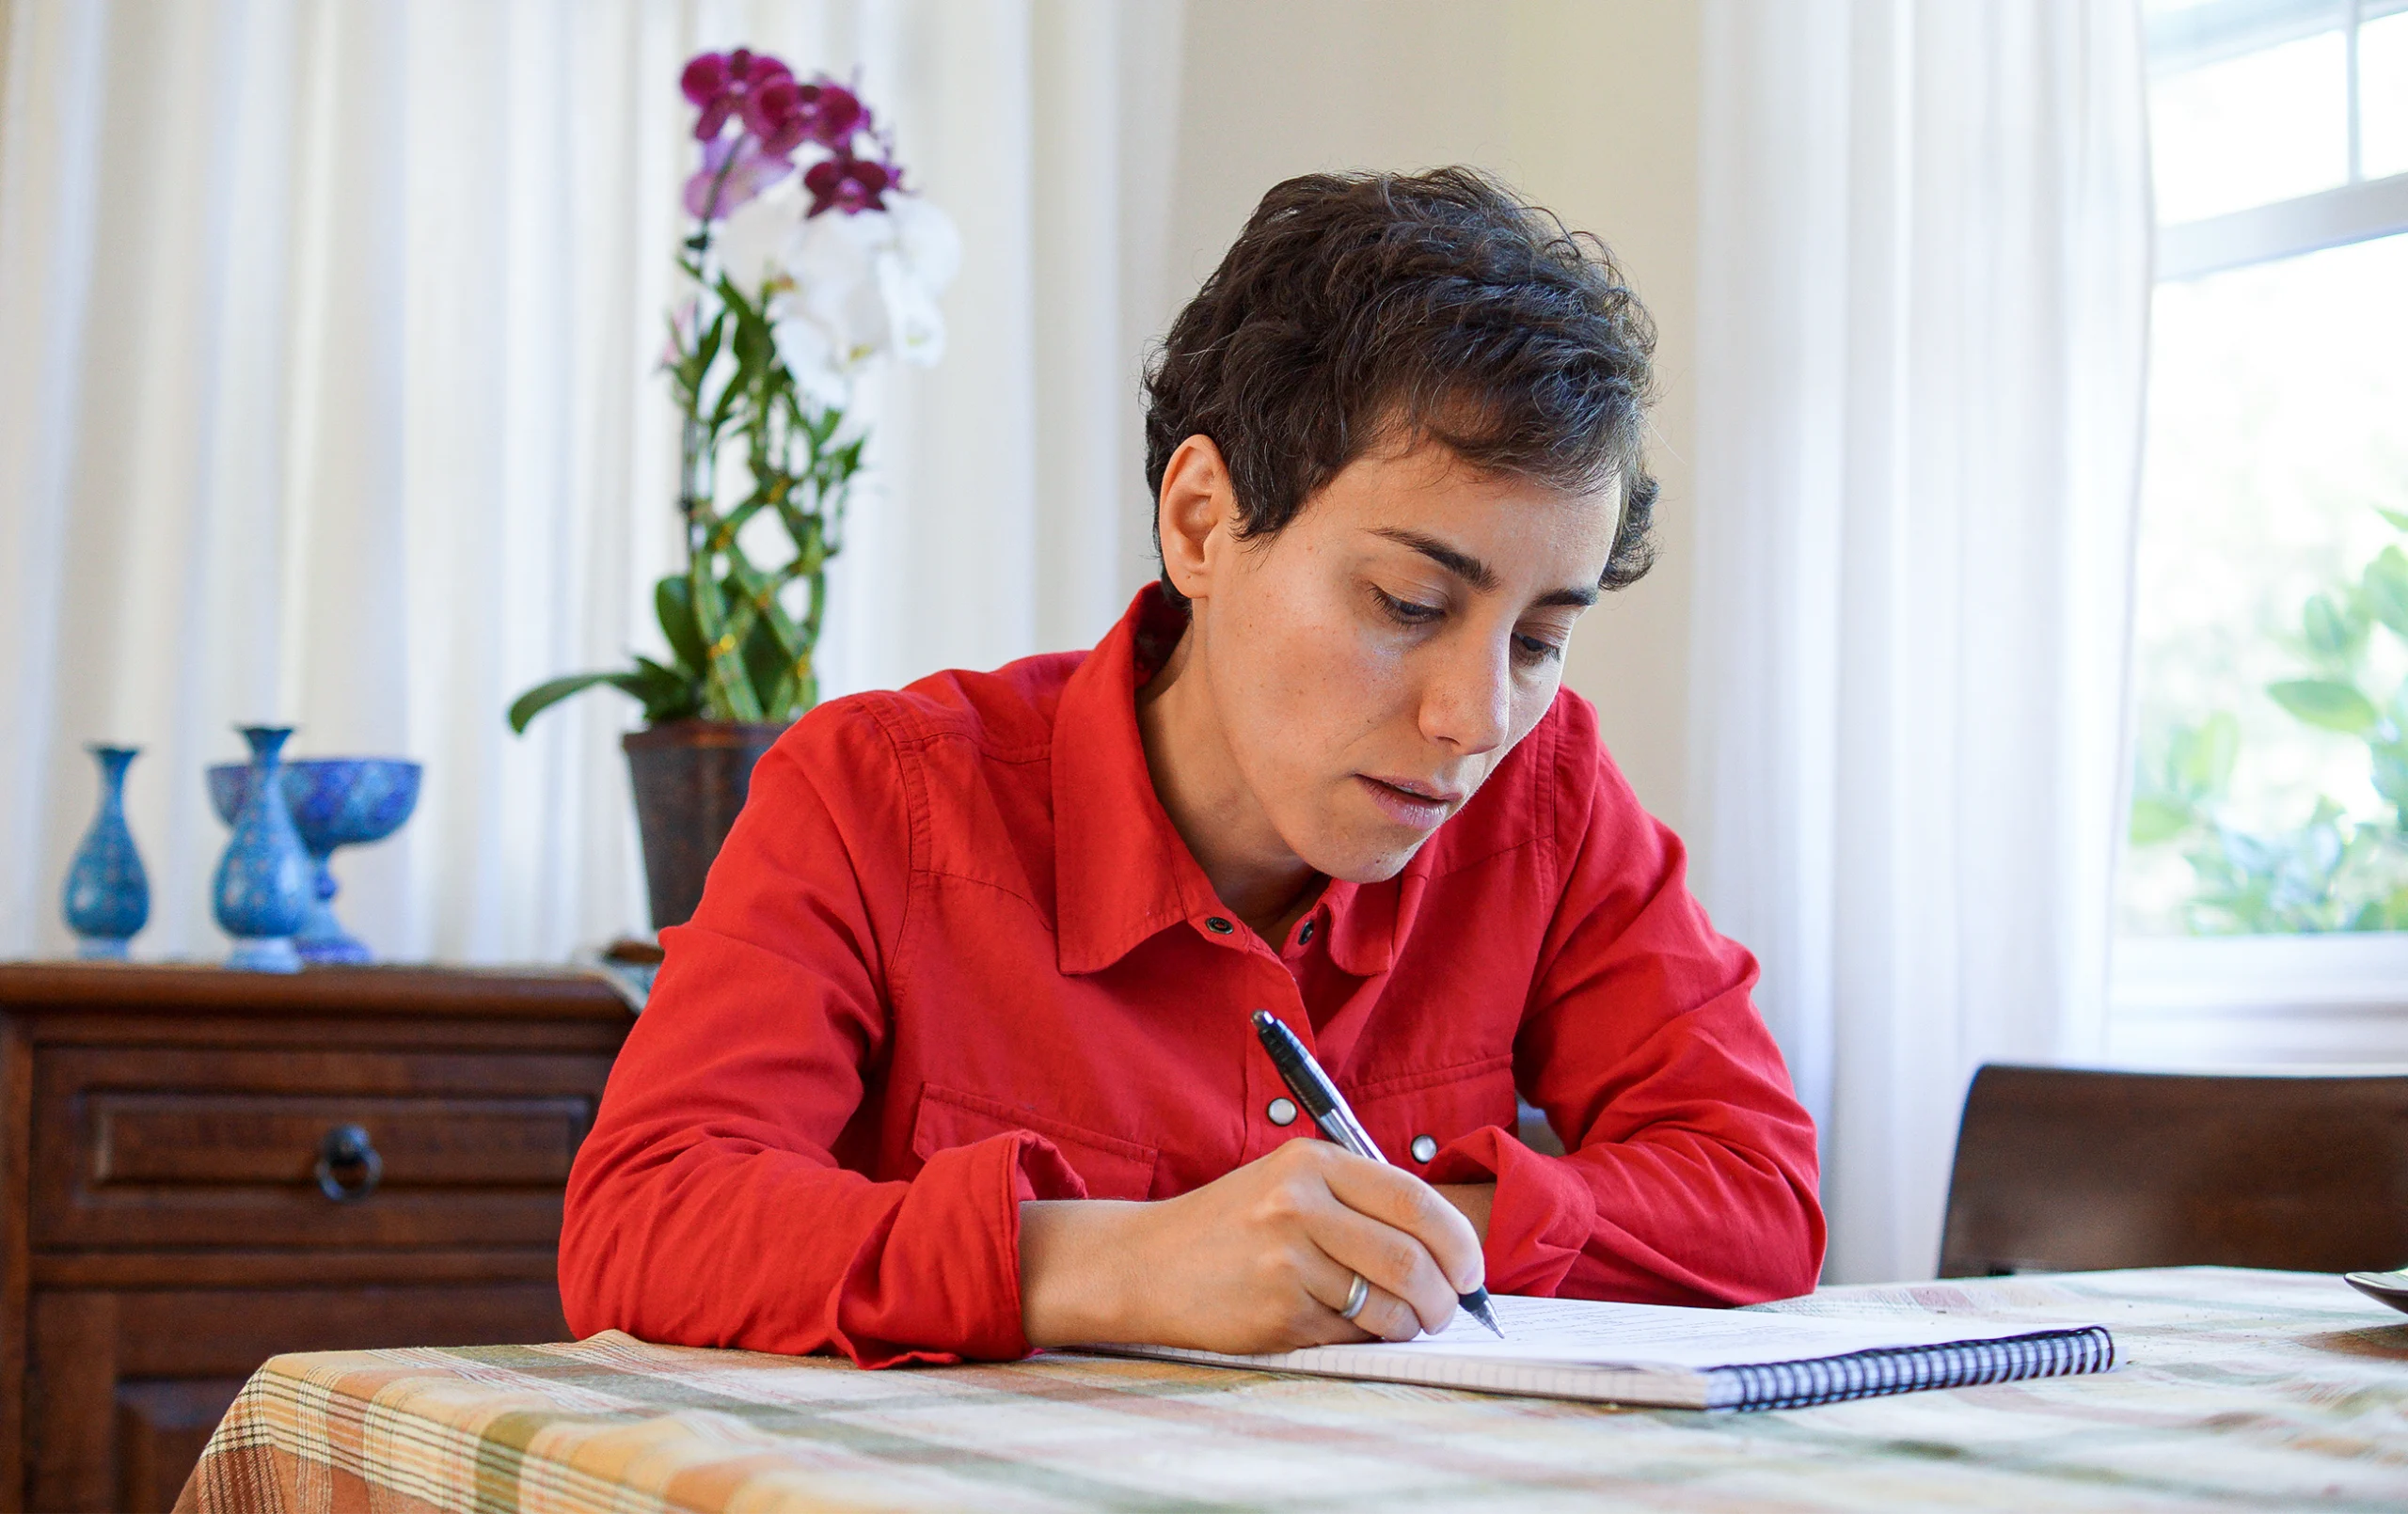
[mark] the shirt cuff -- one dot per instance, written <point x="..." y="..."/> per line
<point x="1540" y="1218"/>
<point x="947" y="1276"/>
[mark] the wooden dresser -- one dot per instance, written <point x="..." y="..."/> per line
<point x="201" y="1169"/>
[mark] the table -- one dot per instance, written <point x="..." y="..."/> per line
<point x="2242" y="1390"/>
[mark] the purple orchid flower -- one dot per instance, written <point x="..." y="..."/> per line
<point x="735" y="171"/>
<point x="848" y="183"/>
<point x="775" y="114"/>
<point x="728" y="85"/>
<point x="832" y="114"/>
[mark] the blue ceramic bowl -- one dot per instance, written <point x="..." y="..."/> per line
<point x="336" y="801"/>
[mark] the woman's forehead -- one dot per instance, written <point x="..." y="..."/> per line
<point x="1425" y="496"/>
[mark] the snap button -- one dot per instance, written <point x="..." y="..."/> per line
<point x="1282" y="1111"/>
<point x="1217" y="926"/>
<point x="1306" y="934"/>
<point x="1424" y="1147"/>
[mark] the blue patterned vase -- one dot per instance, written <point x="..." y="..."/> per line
<point x="335" y="802"/>
<point x="108" y="895"/>
<point x="264" y="883"/>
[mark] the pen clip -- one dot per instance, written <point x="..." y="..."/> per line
<point x="1312" y="1087"/>
<point x="1296" y="1068"/>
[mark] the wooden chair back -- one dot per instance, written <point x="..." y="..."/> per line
<point x="2061" y="1169"/>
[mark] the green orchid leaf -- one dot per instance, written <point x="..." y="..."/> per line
<point x="770" y="666"/>
<point x="545" y="695"/>
<point x="2324" y="702"/>
<point x="668" y="693"/>
<point x="653" y="681"/>
<point x="2398" y="519"/>
<point x="673" y="602"/>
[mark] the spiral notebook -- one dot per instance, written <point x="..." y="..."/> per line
<point x="1665" y="1357"/>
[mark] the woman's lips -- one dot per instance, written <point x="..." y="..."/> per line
<point x="1414" y="805"/>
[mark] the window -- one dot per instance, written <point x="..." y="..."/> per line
<point x="2270" y="617"/>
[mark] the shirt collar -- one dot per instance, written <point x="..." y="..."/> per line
<point x="1362" y="923"/>
<point x="1121" y="870"/>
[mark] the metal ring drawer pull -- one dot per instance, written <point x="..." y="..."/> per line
<point x="348" y="1165"/>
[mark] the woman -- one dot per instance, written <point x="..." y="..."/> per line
<point x="955" y="1060"/>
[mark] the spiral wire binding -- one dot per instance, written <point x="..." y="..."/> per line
<point x="1911" y="1368"/>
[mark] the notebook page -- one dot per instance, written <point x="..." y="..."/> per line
<point x="1575" y="1331"/>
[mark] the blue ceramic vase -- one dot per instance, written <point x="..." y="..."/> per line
<point x="107" y="895"/>
<point x="265" y="884"/>
<point x="335" y="802"/>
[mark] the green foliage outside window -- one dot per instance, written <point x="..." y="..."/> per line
<point x="2335" y="871"/>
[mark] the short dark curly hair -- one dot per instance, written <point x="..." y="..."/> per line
<point x="1441" y="303"/>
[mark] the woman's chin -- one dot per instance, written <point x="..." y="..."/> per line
<point x="1369" y="852"/>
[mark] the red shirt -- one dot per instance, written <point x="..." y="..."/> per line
<point x="954" y="957"/>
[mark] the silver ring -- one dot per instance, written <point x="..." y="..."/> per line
<point x="1357" y="1296"/>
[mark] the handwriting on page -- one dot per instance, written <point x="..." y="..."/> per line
<point x="1577" y="1330"/>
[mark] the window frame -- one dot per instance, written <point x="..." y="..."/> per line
<point x="2366" y="210"/>
<point x="2298" y="1000"/>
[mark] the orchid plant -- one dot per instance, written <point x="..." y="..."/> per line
<point x="799" y="283"/>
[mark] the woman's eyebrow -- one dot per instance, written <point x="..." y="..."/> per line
<point x="1462" y="564"/>
<point x="1474" y="572"/>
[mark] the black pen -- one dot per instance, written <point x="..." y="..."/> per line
<point x="1327" y="1106"/>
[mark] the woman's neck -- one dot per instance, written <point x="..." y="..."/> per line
<point x="1209" y="801"/>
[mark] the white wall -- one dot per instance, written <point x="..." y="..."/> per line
<point x="1590" y="108"/>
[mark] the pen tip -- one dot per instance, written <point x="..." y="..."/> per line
<point x="1476" y="1305"/>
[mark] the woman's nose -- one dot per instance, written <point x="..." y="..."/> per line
<point x="1467" y="705"/>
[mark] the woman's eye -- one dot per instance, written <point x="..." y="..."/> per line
<point x="1535" y="650"/>
<point x="1406" y="611"/>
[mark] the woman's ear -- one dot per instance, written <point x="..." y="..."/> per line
<point x="1196" y="501"/>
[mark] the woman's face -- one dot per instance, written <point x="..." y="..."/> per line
<point x="1371" y="663"/>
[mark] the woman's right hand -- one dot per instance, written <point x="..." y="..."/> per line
<point x="1258" y="1260"/>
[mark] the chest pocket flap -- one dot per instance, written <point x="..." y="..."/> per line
<point x="1415" y="1115"/>
<point x="1111" y="1167"/>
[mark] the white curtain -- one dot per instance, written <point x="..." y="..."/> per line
<point x="1923" y="304"/>
<point x="326" y="396"/>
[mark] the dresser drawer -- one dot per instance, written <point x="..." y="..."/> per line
<point x="155" y="1148"/>
<point x="127" y="1385"/>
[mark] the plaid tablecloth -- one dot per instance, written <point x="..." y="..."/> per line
<point x="2241" y="1391"/>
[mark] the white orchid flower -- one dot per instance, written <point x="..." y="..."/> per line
<point x="916" y="267"/>
<point x="859" y="287"/>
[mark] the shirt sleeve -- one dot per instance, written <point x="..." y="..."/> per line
<point x="709" y="1205"/>
<point x="1690" y="1177"/>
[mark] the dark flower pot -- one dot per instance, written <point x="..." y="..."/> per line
<point x="690" y="779"/>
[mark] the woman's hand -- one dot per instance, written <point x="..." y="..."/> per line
<point x="1260" y="1260"/>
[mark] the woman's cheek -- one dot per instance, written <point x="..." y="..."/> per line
<point x="1530" y="704"/>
